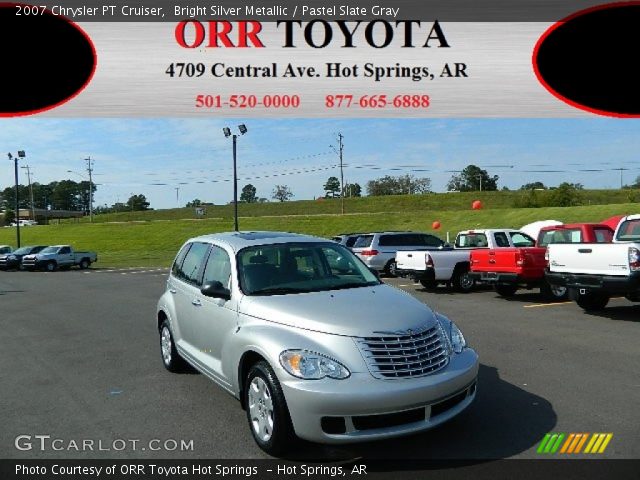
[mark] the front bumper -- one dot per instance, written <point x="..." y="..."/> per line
<point x="597" y="283"/>
<point x="362" y="408"/>
<point x="6" y="264"/>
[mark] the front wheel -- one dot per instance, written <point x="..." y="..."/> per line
<point x="51" y="266"/>
<point x="267" y="411"/>
<point x="506" y="290"/>
<point x="554" y="293"/>
<point x="592" y="302"/>
<point x="171" y="359"/>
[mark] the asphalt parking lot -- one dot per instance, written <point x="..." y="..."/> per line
<point x="80" y="360"/>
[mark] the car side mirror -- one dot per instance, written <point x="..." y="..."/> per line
<point x="215" y="290"/>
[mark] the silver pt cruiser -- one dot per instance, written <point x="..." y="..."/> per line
<point x="310" y="341"/>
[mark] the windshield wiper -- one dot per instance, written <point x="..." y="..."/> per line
<point x="278" y="291"/>
<point x="353" y="285"/>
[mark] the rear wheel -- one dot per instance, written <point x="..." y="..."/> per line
<point x="506" y="290"/>
<point x="553" y="293"/>
<point x="267" y="411"/>
<point x="461" y="281"/>
<point x="84" y="264"/>
<point x="391" y="268"/>
<point x="428" y="282"/>
<point x="591" y="301"/>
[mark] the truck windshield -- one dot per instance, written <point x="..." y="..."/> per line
<point x="629" y="231"/>
<point x="49" y="250"/>
<point x="289" y="268"/>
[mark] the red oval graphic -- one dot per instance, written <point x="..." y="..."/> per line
<point x="38" y="79"/>
<point x="585" y="60"/>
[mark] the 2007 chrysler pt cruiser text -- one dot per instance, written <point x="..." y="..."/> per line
<point x="310" y="341"/>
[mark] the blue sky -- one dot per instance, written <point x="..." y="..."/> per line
<point x="154" y="156"/>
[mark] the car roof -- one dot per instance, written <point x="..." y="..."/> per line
<point x="239" y="240"/>
<point x="566" y="226"/>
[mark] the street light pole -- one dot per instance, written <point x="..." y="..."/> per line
<point x="90" y="170"/>
<point x="33" y="210"/>
<point x="21" y="154"/>
<point x="227" y="133"/>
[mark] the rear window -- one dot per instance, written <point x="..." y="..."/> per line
<point x="561" y="235"/>
<point x="603" y="235"/>
<point x="471" y="240"/>
<point x="363" y="241"/>
<point x="521" y="240"/>
<point x="629" y="231"/>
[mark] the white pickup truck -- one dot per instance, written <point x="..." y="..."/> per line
<point x="593" y="272"/>
<point x="58" y="256"/>
<point x="450" y="265"/>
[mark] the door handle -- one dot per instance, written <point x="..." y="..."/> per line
<point x="585" y="250"/>
<point x="196" y="302"/>
<point x="492" y="260"/>
<point x="172" y="290"/>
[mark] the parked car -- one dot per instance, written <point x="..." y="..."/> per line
<point x="24" y="223"/>
<point x="14" y="259"/>
<point x="595" y="272"/>
<point x="58" y="256"/>
<point x="378" y="250"/>
<point x="447" y="265"/>
<point x="346" y="239"/>
<point x="523" y="264"/>
<point x="5" y="249"/>
<point x="310" y="341"/>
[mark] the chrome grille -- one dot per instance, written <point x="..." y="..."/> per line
<point x="413" y="354"/>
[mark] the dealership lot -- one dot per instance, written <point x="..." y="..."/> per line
<point x="80" y="361"/>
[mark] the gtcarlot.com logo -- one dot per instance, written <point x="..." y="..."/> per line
<point x="47" y="443"/>
<point x="569" y="443"/>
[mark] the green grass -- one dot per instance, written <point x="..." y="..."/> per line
<point x="390" y="203"/>
<point x="154" y="243"/>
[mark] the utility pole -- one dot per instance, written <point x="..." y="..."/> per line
<point x="480" y="178"/>
<point x="90" y="171"/>
<point x="177" y="189"/>
<point x="342" y="186"/>
<point x="235" y="185"/>
<point x="33" y="210"/>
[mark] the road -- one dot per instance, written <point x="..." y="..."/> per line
<point x="80" y="361"/>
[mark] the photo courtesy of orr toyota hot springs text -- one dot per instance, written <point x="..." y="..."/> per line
<point x="290" y="240"/>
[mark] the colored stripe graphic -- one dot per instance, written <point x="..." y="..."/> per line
<point x="573" y="443"/>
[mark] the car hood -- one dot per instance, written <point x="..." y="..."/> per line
<point x="356" y="312"/>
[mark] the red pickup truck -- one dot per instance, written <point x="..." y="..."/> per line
<point x="510" y="269"/>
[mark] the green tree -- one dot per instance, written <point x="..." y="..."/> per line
<point x="352" y="190"/>
<point x="9" y="216"/>
<point x="282" y="193"/>
<point x="248" y="194"/>
<point x="473" y="178"/>
<point x="533" y="186"/>
<point x="402" y="185"/>
<point x="138" y="203"/>
<point x="194" y="203"/>
<point x="332" y="187"/>
<point x="566" y="195"/>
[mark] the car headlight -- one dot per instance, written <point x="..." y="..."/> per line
<point x="312" y="366"/>
<point x="454" y="336"/>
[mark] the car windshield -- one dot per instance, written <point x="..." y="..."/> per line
<point x="629" y="231"/>
<point x="286" y="268"/>
<point x="23" y="250"/>
<point x="49" y="250"/>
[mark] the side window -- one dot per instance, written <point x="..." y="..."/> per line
<point x="387" y="240"/>
<point x="218" y="267"/>
<point x="64" y="250"/>
<point x="431" y="241"/>
<point x="603" y="235"/>
<point x="501" y="239"/>
<point x="193" y="261"/>
<point x="351" y="241"/>
<point x="177" y="264"/>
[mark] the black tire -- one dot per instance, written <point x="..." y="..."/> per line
<point x="554" y="293"/>
<point x="506" y="290"/>
<point x="51" y="266"/>
<point x="428" y="282"/>
<point x="461" y="281"/>
<point x="592" y="302"/>
<point x="279" y="439"/>
<point x="84" y="264"/>
<point x="171" y="359"/>
<point x="390" y="268"/>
